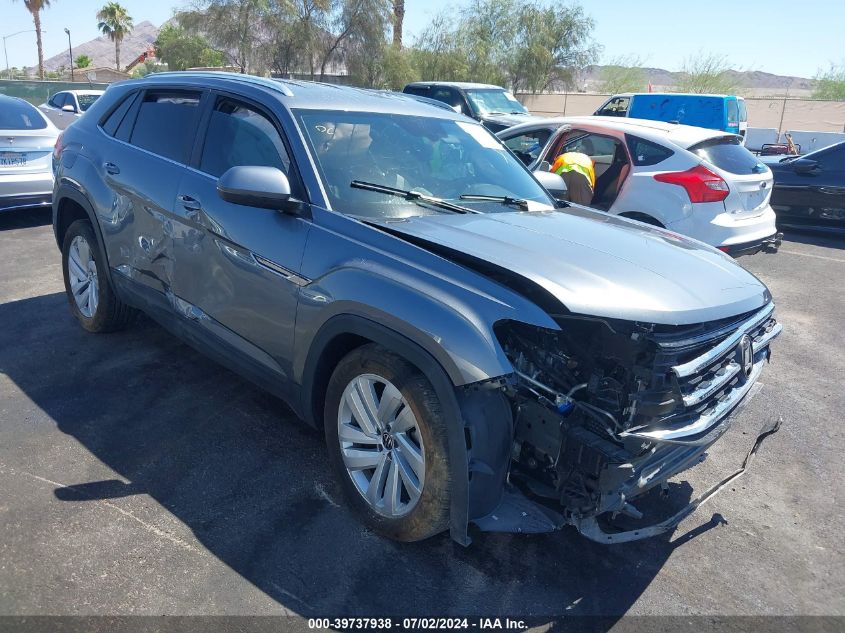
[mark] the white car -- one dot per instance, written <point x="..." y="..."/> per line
<point x="698" y="182"/>
<point x="27" y="139"/>
<point x="64" y="107"/>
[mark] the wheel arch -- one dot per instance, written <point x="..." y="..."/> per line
<point x="642" y="217"/>
<point x="345" y="332"/>
<point x="69" y="205"/>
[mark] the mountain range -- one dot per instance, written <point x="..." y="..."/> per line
<point x="101" y="49"/>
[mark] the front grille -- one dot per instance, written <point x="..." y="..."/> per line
<point x="708" y="372"/>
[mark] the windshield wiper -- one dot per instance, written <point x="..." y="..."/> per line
<point x="516" y="202"/>
<point x="413" y="196"/>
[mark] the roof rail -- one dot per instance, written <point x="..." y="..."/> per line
<point x="272" y="84"/>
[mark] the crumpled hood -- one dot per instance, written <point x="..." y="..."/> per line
<point x="601" y="265"/>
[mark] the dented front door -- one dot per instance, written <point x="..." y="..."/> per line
<point x="237" y="267"/>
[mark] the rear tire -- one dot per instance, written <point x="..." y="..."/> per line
<point x="387" y="444"/>
<point x="90" y="296"/>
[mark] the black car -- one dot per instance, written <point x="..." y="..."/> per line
<point x="809" y="190"/>
<point x="493" y="106"/>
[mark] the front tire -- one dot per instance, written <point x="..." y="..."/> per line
<point x="92" y="300"/>
<point x="386" y="438"/>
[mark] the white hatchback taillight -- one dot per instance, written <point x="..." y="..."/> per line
<point x="701" y="184"/>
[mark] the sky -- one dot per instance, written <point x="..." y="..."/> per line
<point x="778" y="36"/>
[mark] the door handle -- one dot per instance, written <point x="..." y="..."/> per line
<point x="111" y="168"/>
<point x="190" y="203"/>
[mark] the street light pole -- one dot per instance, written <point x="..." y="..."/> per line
<point x="70" y="50"/>
<point x="6" y="55"/>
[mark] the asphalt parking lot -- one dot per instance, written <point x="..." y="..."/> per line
<point x="137" y="477"/>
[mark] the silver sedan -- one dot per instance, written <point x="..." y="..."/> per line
<point x="27" y="139"/>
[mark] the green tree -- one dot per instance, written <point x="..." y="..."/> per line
<point x="830" y="83"/>
<point x="181" y="50"/>
<point x="622" y="74"/>
<point x="236" y="28"/>
<point x="707" y="73"/>
<point x="515" y="43"/>
<point x="436" y="54"/>
<point x="83" y="61"/>
<point x="354" y="24"/>
<point x="35" y="7"/>
<point x="115" y="23"/>
<point x="147" y="68"/>
<point x="550" y="47"/>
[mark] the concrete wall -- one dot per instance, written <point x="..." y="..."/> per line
<point x="781" y="114"/>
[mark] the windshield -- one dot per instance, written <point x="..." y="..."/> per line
<point x="495" y="101"/>
<point x="437" y="158"/>
<point x="16" y="114"/>
<point x="86" y="101"/>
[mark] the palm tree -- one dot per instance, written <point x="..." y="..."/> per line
<point x="34" y="7"/>
<point x="116" y="23"/>
<point x="398" y="21"/>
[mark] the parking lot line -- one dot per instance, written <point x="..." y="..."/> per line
<point x="830" y="259"/>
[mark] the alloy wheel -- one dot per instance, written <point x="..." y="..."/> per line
<point x="381" y="445"/>
<point x="82" y="273"/>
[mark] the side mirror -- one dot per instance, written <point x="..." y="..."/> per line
<point x="69" y="108"/>
<point x="553" y="183"/>
<point x="254" y="186"/>
<point x="803" y="166"/>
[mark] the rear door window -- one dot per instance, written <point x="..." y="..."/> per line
<point x="728" y="153"/>
<point x="166" y="123"/>
<point x="743" y="111"/>
<point x="645" y="152"/>
<point x="17" y="114"/>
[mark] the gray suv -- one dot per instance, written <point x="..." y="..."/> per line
<point x="389" y="269"/>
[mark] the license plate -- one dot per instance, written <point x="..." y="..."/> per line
<point x="755" y="199"/>
<point x="12" y="159"/>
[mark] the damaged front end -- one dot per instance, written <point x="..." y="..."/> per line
<point x="604" y="411"/>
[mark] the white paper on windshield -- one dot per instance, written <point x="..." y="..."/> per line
<point x="482" y="136"/>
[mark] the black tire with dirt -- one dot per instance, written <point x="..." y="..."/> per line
<point x="430" y="515"/>
<point x="111" y="313"/>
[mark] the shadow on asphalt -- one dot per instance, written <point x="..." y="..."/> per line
<point x="25" y="219"/>
<point x="251" y="483"/>
<point x="814" y="238"/>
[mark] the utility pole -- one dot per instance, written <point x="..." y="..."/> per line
<point x="6" y="55"/>
<point x="70" y="50"/>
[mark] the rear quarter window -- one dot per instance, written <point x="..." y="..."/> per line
<point x="17" y="114"/>
<point x="728" y="153"/>
<point x="112" y="121"/>
<point x="645" y="152"/>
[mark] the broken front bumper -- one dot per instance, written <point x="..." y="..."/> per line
<point x="518" y="513"/>
<point x="590" y="527"/>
